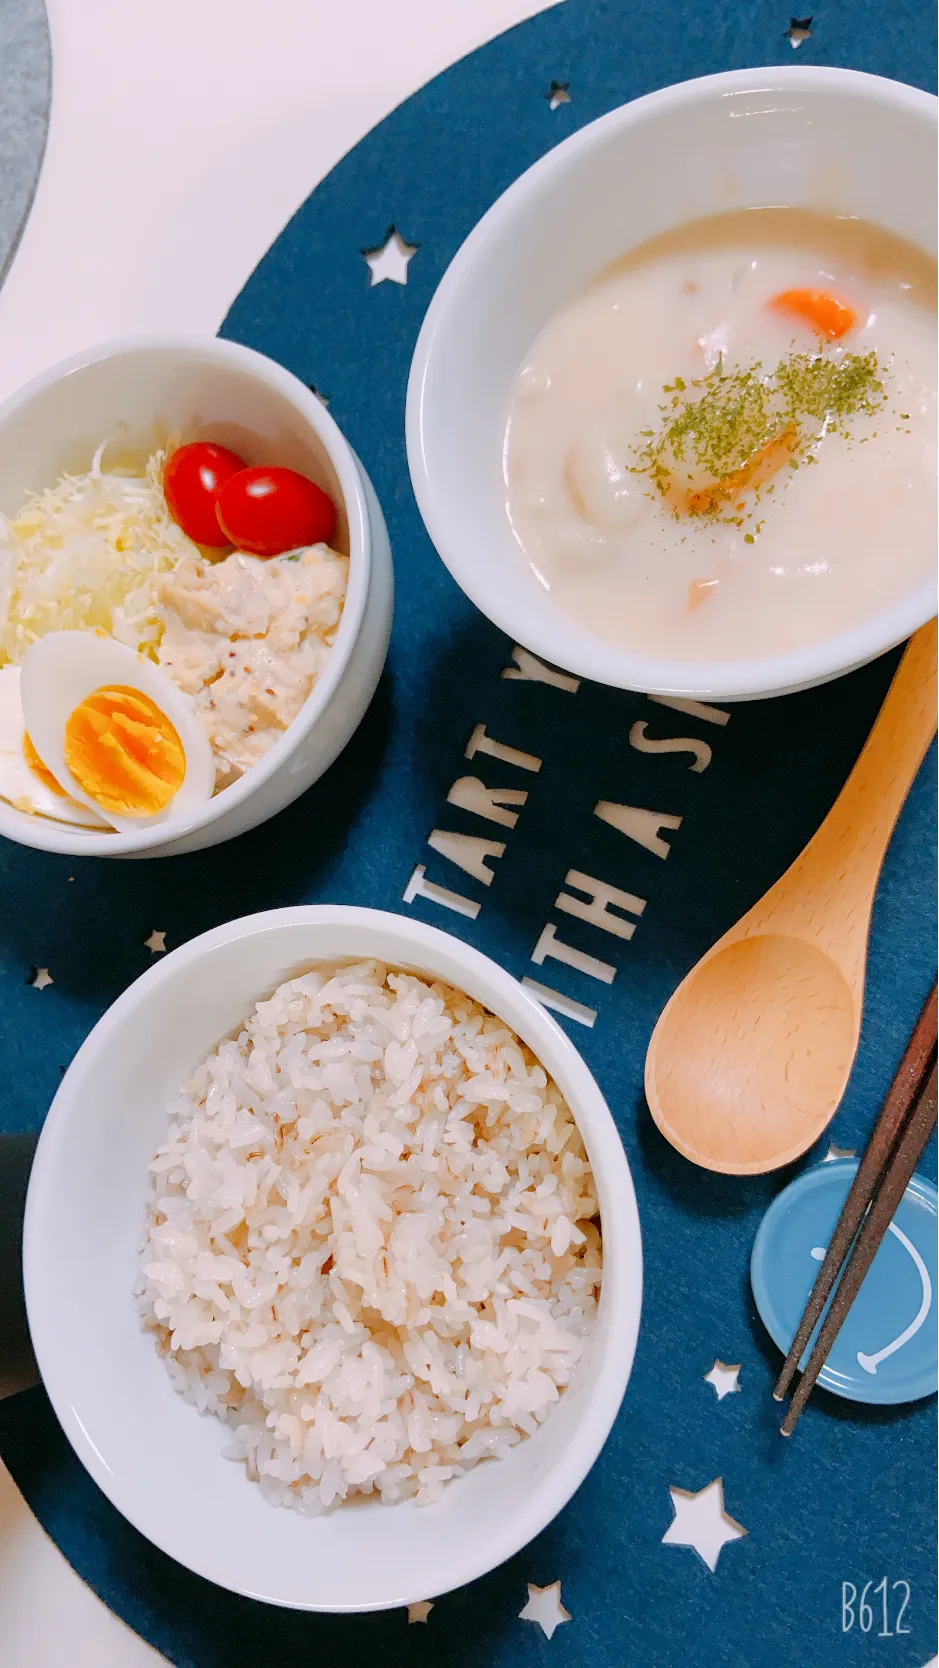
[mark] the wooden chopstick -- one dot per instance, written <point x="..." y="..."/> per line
<point x="918" y="1128"/>
<point x="896" y="1109"/>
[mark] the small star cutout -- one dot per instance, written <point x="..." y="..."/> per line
<point x="838" y="1152"/>
<point x="156" y="943"/>
<point x="558" y="93"/>
<point x="799" y="30"/>
<point x="723" y="1378"/>
<point x="324" y="399"/>
<point x="544" y="1607"/>
<point x="701" y="1522"/>
<point x="420" y="1611"/>
<point x="39" y="978"/>
<point x="390" y="260"/>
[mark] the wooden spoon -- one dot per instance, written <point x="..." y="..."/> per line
<point x="750" y="1058"/>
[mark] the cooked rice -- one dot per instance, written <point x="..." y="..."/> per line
<point x="371" y="1244"/>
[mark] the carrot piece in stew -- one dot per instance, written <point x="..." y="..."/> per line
<point x="825" y="313"/>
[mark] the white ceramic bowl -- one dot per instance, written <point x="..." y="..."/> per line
<point x="805" y="137"/>
<point x="135" y="393"/>
<point x="160" y="1463"/>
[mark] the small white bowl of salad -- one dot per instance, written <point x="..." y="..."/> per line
<point x="195" y="597"/>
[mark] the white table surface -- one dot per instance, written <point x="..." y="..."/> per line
<point x="182" y="138"/>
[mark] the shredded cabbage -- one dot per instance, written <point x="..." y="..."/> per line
<point x="85" y="554"/>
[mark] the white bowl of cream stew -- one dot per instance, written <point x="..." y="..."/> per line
<point x="672" y="411"/>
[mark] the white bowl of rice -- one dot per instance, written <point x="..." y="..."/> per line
<point x="87" y="543"/>
<point x="333" y="1180"/>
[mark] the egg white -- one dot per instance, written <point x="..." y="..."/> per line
<point x="63" y="668"/>
<point x="19" y="784"/>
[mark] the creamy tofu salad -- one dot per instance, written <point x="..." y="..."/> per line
<point x="205" y="589"/>
<point x="249" y="638"/>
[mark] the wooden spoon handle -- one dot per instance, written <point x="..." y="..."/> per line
<point x="827" y="894"/>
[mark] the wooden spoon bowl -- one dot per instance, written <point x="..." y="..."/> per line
<point x="798" y="1014"/>
<point x="750" y="1058"/>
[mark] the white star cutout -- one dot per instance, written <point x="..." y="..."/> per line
<point x="156" y="943"/>
<point x="544" y="1607"/>
<point x="41" y="978"/>
<point x="558" y="93"/>
<point x="799" y="30"/>
<point x="838" y="1152"/>
<point x="723" y="1378"/>
<point x="419" y="1611"/>
<point x="701" y="1522"/>
<point x="390" y="260"/>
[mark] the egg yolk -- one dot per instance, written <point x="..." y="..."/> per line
<point x="38" y="768"/>
<point x="123" y="752"/>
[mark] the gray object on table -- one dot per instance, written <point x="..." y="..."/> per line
<point x="25" y="91"/>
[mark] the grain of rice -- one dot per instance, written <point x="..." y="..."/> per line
<point x="372" y="1245"/>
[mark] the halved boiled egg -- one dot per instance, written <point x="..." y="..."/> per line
<point x="114" y="730"/>
<point x="25" y="783"/>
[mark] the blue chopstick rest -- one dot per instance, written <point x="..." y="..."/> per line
<point x="886" y="1350"/>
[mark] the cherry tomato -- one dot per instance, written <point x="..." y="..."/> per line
<point x="192" y="479"/>
<point x="267" y="511"/>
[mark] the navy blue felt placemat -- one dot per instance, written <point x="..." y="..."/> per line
<point x="846" y="1501"/>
